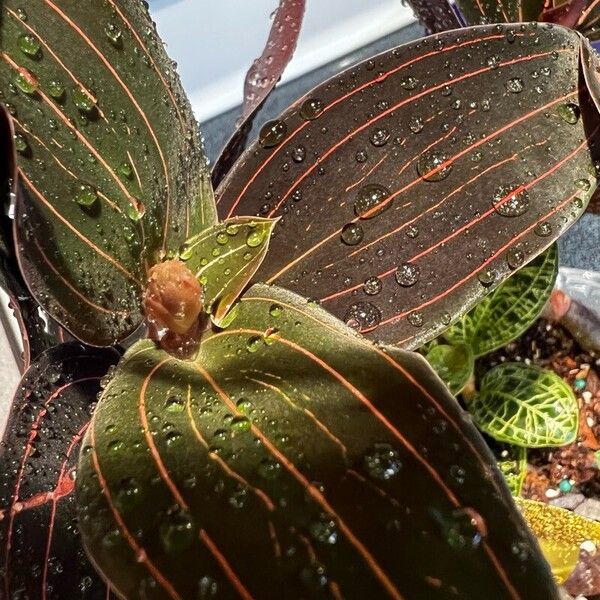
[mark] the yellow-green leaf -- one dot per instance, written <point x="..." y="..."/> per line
<point x="225" y="257"/>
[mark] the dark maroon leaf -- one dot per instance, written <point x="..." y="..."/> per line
<point x="411" y="185"/>
<point x="34" y="337"/>
<point x="40" y="552"/>
<point x="262" y="77"/>
<point x="477" y="12"/>
<point x="567" y="14"/>
<point x="435" y="15"/>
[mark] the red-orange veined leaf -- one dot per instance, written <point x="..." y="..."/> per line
<point x="41" y="555"/>
<point x="413" y="184"/>
<point x="111" y="170"/>
<point x="291" y="459"/>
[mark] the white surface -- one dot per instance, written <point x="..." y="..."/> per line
<point x="9" y="371"/>
<point x="214" y="43"/>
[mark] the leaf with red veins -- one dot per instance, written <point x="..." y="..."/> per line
<point x="41" y="555"/>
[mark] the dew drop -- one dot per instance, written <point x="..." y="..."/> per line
<point x="409" y="82"/>
<point x="113" y="33"/>
<point x="372" y="286"/>
<point x="486" y="277"/>
<point x="25" y="81"/>
<point x="222" y="238"/>
<point x="21" y="14"/>
<point x="465" y="529"/>
<point x="362" y="315"/>
<point x="125" y="170"/>
<point x="29" y="45"/>
<point x="569" y="113"/>
<point x="272" y="133"/>
<point x="175" y="403"/>
<point x="382" y="462"/>
<point x="299" y="154"/>
<point x="21" y="144"/>
<point x="324" y="530"/>
<point x="430" y="166"/>
<point x="255" y="238"/>
<point x="511" y="202"/>
<point x="275" y="310"/>
<point x="415" y="318"/>
<point x="379" y="137"/>
<point x="177" y="531"/>
<point x="253" y="344"/>
<point x="241" y="424"/>
<point x="311" y="109"/>
<point x="416" y="124"/>
<point x="86" y="195"/>
<point x="515" y="257"/>
<point x="583" y="184"/>
<point x="83" y="100"/>
<point x="352" y="234"/>
<point x="56" y="89"/>
<point x="412" y="231"/>
<point x="407" y="274"/>
<point x="361" y="156"/>
<point x="371" y="201"/>
<point x="269" y="469"/>
<point x="515" y="85"/>
<point x="543" y="229"/>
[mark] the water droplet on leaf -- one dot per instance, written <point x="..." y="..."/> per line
<point x="311" y="109"/>
<point x="432" y="166"/>
<point x="371" y="201"/>
<point x="272" y="134"/>
<point x="407" y="274"/>
<point x="352" y="234"/>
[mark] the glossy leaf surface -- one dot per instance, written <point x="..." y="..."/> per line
<point x="407" y="184"/>
<point x="110" y="162"/>
<point x="476" y="12"/>
<point x="294" y="443"/>
<point x="40" y="551"/>
<point x="526" y="406"/>
<point x="454" y="364"/>
<point x="225" y="257"/>
<point x="510" y="309"/>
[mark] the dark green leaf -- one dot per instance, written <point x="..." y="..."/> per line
<point x="41" y="555"/>
<point x="510" y="309"/>
<point x="225" y="257"/>
<point x="110" y="162"/>
<point x="454" y="364"/>
<point x="526" y="406"/>
<point x="295" y="459"/>
<point x="466" y="104"/>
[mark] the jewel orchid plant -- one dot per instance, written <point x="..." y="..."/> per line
<point x="268" y="431"/>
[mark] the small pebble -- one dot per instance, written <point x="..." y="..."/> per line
<point x="579" y="384"/>
<point x="552" y="493"/>
<point x="588" y="546"/>
<point x="587" y="397"/>
<point x="565" y="486"/>
<point x="589" y="508"/>
<point x="568" y="501"/>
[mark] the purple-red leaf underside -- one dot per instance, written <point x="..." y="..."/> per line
<point x="435" y="15"/>
<point x="262" y="77"/>
<point x="40" y="552"/>
<point x="465" y="154"/>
